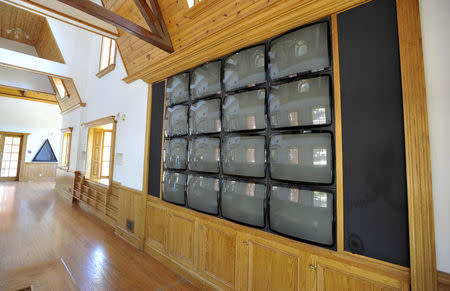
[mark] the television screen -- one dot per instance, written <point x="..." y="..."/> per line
<point x="204" y="154"/>
<point x="245" y="111"/>
<point x="300" y="103"/>
<point x="303" y="50"/>
<point x="203" y="193"/>
<point x="173" y="187"/>
<point x="204" y="117"/>
<point x="303" y="214"/>
<point x="245" y="68"/>
<point x="176" y="122"/>
<point x="205" y="80"/>
<point x="244" y="156"/>
<point x="177" y="89"/>
<point x="243" y="202"/>
<point x="175" y="153"/>
<point x="301" y="157"/>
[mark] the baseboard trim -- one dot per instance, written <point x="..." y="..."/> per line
<point x="128" y="237"/>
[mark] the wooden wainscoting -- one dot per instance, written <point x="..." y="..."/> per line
<point x="64" y="182"/>
<point x="443" y="281"/>
<point x="215" y="253"/>
<point x="37" y="170"/>
<point x="131" y="214"/>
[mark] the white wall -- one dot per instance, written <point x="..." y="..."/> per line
<point x="42" y="120"/>
<point x="436" y="43"/>
<point x="104" y="97"/>
<point x="22" y="79"/>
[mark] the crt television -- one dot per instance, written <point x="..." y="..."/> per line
<point x="173" y="185"/>
<point x="303" y="214"/>
<point x="300" y="103"/>
<point x="245" y="68"/>
<point x="176" y="122"/>
<point x="205" y="80"/>
<point x="245" y="111"/>
<point x="177" y="89"/>
<point x="203" y="193"/>
<point x="243" y="202"/>
<point x="244" y="156"/>
<point x="175" y="153"/>
<point x="300" y="51"/>
<point x="302" y="157"/>
<point x="204" y="154"/>
<point x="204" y="117"/>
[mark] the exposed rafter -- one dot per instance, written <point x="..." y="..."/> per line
<point x="159" y="37"/>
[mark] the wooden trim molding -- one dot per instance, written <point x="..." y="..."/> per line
<point x="417" y="148"/>
<point x="101" y="121"/>
<point x="443" y="281"/>
<point x="67" y="129"/>
<point x="106" y="70"/>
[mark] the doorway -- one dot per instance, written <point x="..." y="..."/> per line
<point x="10" y="149"/>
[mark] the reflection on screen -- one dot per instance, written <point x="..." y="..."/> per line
<point x="175" y="153"/>
<point x="301" y="157"/>
<point x="202" y="193"/>
<point x="205" y="80"/>
<point x="177" y="89"/>
<point x="204" y="154"/>
<point x="300" y="103"/>
<point x="245" y="111"/>
<point x="245" y="68"/>
<point x="302" y="214"/>
<point x="173" y="187"/>
<point x="300" y="51"/>
<point x="204" y="117"/>
<point x="244" y="156"/>
<point x="243" y="202"/>
<point x="176" y="122"/>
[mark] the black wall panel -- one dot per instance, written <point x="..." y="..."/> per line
<point x="154" y="171"/>
<point x="375" y="199"/>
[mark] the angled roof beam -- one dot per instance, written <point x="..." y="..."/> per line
<point x="154" y="18"/>
<point x="120" y="22"/>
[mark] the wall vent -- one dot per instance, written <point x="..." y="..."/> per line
<point x="130" y="225"/>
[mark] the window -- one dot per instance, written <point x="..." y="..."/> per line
<point x="10" y="158"/>
<point x="100" y="150"/>
<point x="107" y="57"/>
<point x="60" y="88"/>
<point x="191" y="3"/>
<point x="66" y="143"/>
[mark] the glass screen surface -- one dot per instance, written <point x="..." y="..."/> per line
<point x="173" y="187"/>
<point x="244" y="156"/>
<point x="202" y="193"/>
<point x="205" y="80"/>
<point x="204" y="117"/>
<point x="177" y="90"/>
<point x="245" y="111"/>
<point x="204" y="154"/>
<point x="176" y="122"/>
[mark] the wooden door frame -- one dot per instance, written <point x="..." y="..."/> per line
<point x="22" y="153"/>
<point x="423" y="273"/>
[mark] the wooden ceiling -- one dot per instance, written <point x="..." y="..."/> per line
<point x="31" y="29"/>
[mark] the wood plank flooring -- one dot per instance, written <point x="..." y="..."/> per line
<point x="37" y="226"/>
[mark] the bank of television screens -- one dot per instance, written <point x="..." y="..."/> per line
<point x="249" y="137"/>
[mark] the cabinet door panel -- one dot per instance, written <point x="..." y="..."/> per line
<point x="182" y="238"/>
<point x="337" y="276"/>
<point x="218" y="254"/>
<point x="156" y="226"/>
<point x="273" y="267"/>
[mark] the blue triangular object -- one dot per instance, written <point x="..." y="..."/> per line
<point x="45" y="153"/>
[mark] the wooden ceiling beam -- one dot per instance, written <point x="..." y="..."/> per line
<point x="108" y="16"/>
<point x="154" y="18"/>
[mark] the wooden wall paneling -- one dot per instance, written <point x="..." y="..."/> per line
<point x="218" y="254"/>
<point x="156" y="226"/>
<point x="273" y="266"/>
<point x="132" y="208"/>
<point x="333" y="275"/>
<point x="443" y="281"/>
<point x="36" y="170"/>
<point x="182" y="238"/>
<point x="46" y="45"/>
<point x="65" y="181"/>
<point x="417" y="146"/>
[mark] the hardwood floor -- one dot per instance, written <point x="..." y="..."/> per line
<point x="37" y="226"/>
